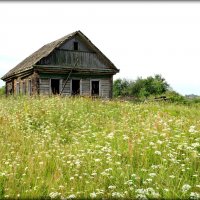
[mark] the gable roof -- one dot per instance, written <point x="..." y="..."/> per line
<point x="44" y="51"/>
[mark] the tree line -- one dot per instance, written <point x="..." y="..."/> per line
<point x="151" y="87"/>
<point x="141" y="88"/>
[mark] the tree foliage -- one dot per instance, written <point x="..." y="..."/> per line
<point x="152" y="85"/>
<point x="121" y="87"/>
<point x="2" y="90"/>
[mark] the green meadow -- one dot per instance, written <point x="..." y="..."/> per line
<point x="64" y="148"/>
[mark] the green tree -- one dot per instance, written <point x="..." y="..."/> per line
<point x="138" y="88"/>
<point x="2" y="90"/>
<point x="156" y="85"/>
<point x="141" y="88"/>
<point x="121" y="87"/>
<point x="150" y="86"/>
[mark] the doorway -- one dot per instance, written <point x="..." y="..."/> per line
<point x="55" y="85"/>
<point x="75" y="87"/>
<point x="95" y="88"/>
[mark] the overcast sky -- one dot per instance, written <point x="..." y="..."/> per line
<point x="140" y="38"/>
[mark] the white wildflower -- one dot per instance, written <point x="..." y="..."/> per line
<point x="35" y="188"/>
<point x="71" y="196"/>
<point x="198" y="186"/>
<point x="149" y="180"/>
<point x="109" y="169"/>
<point x="151" y="143"/>
<point x="93" y="195"/>
<point x="97" y="160"/>
<point x="159" y="142"/>
<point x="61" y="186"/>
<point x="158" y="153"/>
<point x="3" y="174"/>
<point x="155" y="166"/>
<point x="152" y="174"/>
<point x="133" y="175"/>
<point x="125" y="137"/>
<point x="129" y="182"/>
<point x="117" y="195"/>
<point x="196" y="144"/>
<point x="194" y="195"/>
<point x="186" y="187"/>
<point x="192" y="129"/>
<point x="151" y="192"/>
<point x="141" y="196"/>
<point x="112" y="187"/>
<point x="54" y="195"/>
<point x="110" y="135"/>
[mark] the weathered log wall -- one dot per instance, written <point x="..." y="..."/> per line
<point x="26" y="85"/>
<point x="66" y="55"/>
<point x="73" y="58"/>
<point x="69" y="45"/>
<point x="105" y="86"/>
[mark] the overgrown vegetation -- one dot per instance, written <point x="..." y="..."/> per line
<point x="80" y="148"/>
<point x="2" y="90"/>
<point x="141" y="87"/>
<point x="148" y="89"/>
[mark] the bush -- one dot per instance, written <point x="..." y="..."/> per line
<point x="175" y="97"/>
<point x="141" y="88"/>
<point x="2" y="90"/>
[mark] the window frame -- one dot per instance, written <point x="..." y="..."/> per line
<point x="76" y="46"/>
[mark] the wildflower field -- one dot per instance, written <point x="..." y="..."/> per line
<point x="82" y="148"/>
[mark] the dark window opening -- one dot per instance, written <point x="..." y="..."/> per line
<point x="55" y="86"/>
<point x="24" y="88"/>
<point x="29" y="87"/>
<point x="11" y="91"/>
<point x="12" y="87"/>
<point x="75" y="87"/>
<point x="95" y="88"/>
<point x="75" y="46"/>
<point x="18" y="88"/>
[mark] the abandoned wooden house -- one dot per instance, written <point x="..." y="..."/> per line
<point x="71" y="65"/>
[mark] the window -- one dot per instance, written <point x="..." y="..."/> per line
<point x="24" y="87"/>
<point x="75" y="87"/>
<point x="18" y="88"/>
<point x="76" y="46"/>
<point x="95" y="88"/>
<point x="55" y="85"/>
<point x="29" y="87"/>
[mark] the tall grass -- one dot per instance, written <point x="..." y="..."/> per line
<point x="80" y="148"/>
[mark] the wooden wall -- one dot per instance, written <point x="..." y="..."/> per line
<point x="21" y="85"/>
<point x="105" y="86"/>
<point x="73" y="58"/>
<point x="69" y="45"/>
<point x="86" y="87"/>
<point x="67" y="56"/>
<point x="9" y="87"/>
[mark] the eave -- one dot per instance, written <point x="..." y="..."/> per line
<point x="21" y="74"/>
<point x="67" y="69"/>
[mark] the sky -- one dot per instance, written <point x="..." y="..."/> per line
<point x="141" y="38"/>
